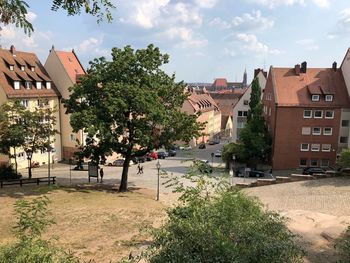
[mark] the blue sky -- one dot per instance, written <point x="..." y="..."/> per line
<point x="205" y="39"/>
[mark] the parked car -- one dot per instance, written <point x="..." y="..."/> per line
<point x="172" y="153"/>
<point x="218" y="153"/>
<point x="253" y="173"/>
<point x="119" y="162"/>
<point x="186" y="147"/>
<point x="153" y="155"/>
<point x="139" y="159"/>
<point x="203" y="166"/>
<point x="162" y="154"/>
<point x="216" y="141"/>
<point x="202" y="146"/>
<point x="211" y="142"/>
<point x="313" y="170"/>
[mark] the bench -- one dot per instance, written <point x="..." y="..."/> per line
<point x="23" y="181"/>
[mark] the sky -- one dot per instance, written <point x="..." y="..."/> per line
<point x="206" y="39"/>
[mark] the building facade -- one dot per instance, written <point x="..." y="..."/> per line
<point x="65" y="70"/>
<point x="304" y="109"/>
<point x="23" y="78"/>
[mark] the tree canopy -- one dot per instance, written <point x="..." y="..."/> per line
<point x="130" y="105"/>
<point x="15" y="11"/>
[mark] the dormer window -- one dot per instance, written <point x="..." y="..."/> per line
<point x="28" y="85"/>
<point x="329" y="98"/>
<point x="22" y="68"/>
<point x="32" y="68"/>
<point x="16" y="84"/>
<point x="48" y="85"/>
<point x="315" y="97"/>
<point x="38" y="85"/>
<point x="12" y="67"/>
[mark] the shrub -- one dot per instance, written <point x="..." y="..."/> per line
<point x="215" y="224"/>
<point x="343" y="247"/>
<point x="7" y="173"/>
<point x="32" y="220"/>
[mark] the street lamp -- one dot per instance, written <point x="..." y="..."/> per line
<point x="212" y="159"/>
<point x="49" y="149"/>
<point x="158" y="168"/>
<point x="29" y="153"/>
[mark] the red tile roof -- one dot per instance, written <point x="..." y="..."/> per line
<point x="28" y="60"/>
<point x="295" y="90"/>
<point x="72" y="64"/>
<point x="226" y="102"/>
<point x="202" y="102"/>
<point x="220" y="82"/>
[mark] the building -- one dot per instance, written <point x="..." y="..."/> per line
<point x="209" y="114"/>
<point x="345" y="69"/>
<point x="307" y="113"/>
<point x="65" y="70"/>
<point x="241" y="108"/>
<point x="23" y="78"/>
<point x="226" y="102"/>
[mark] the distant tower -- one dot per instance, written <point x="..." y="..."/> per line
<point x="245" y="78"/>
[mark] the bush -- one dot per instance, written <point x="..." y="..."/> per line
<point x="343" y="247"/>
<point x="222" y="226"/>
<point x="8" y="173"/>
<point x="32" y="220"/>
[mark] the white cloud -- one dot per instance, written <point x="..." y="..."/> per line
<point x="31" y="16"/>
<point x="252" y="20"/>
<point x="308" y="44"/>
<point x="206" y="3"/>
<point x="342" y="26"/>
<point x="219" y="23"/>
<point x="276" y="3"/>
<point x="251" y="44"/>
<point x="184" y="37"/>
<point x="91" y="45"/>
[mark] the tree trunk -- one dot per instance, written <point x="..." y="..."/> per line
<point x="16" y="164"/>
<point x="124" y="180"/>
<point x="30" y="169"/>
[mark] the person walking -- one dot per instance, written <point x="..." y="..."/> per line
<point x="139" y="169"/>
<point x="101" y="174"/>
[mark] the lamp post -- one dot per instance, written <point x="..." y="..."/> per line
<point x="233" y="165"/>
<point x="29" y="153"/>
<point x="158" y="168"/>
<point x="212" y="159"/>
<point x="49" y="149"/>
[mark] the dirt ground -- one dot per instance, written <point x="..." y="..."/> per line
<point x="101" y="225"/>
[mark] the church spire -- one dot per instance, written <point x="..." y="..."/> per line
<point x="245" y="78"/>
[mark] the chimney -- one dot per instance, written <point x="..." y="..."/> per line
<point x="334" y="66"/>
<point x="13" y="49"/>
<point x="297" y="69"/>
<point x="303" y="67"/>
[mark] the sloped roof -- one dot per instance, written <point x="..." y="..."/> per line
<point x="296" y="90"/>
<point x="220" y="82"/>
<point x="71" y="64"/>
<point x="7" y="76"/>
<point x="202" y="102"/>
<point x="226" y="102"/>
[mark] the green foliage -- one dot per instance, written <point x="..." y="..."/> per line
<point x="7" y="173"/>
<point x="344" y="159"/>
<point x="32" y="221"/>
<point x="216" y="224"/>
<point x="233" y="149"/>
<point x="255" y="97"/>
<point x="343" y="247"/>
<point x="130" y="103"/>
<point x="15" y="11"/>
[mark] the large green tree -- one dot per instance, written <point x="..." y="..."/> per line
<point x="28" y="129"/>
<point x="15" y="11"/>
<point x="130" y="104"/>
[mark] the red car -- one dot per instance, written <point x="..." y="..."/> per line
<point x="153" y="155"/>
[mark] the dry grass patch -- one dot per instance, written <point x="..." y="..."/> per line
<point x="99" y="224"/>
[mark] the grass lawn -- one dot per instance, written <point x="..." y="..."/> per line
<point x="99" y="224"/>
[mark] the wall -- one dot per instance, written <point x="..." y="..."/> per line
<point x="345" y="67"/>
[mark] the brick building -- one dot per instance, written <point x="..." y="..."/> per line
<point x="307" y="113"/>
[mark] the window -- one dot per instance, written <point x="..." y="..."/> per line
<point x="304" y="147"/>
<point x="25" y="103"/>
<point x="345" y="123"/>
<point x="38" y="84"/>
<point x="32" y="68"/>
<point x="318" y="114"/>
<point x="316" y="131"/>
<point x="16" y="85"/>
<point x="343" y="139"/>
<point x="307" y="114"/>
<point x="245" y="113"/>
<point x="245" y="102"/>
<point x="28" y="85"/>
<point x="329" y="114"/>
<point x="240" y="113"/>
<point x="269" y="111"/>
<point x="313" y="162"/>
<point x="324" y="162"/>
<point x="315" y="147"/>
<point x="240" y="125"/>
<point x="306" y="131"/>
<point x="48" y="85"/>
<point x="326" y="147"/>
<point x="329" y="98"/>
<point x="21" y="155"/>
<point x="42" y="151"/>
<point x="22" y="68"/>
<point x="327" y="131"/>
<point x="11" y="67"/>
<point x="73" y="137"/>
<point x="315" y="97"/>
<point x="303" y="162"/>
